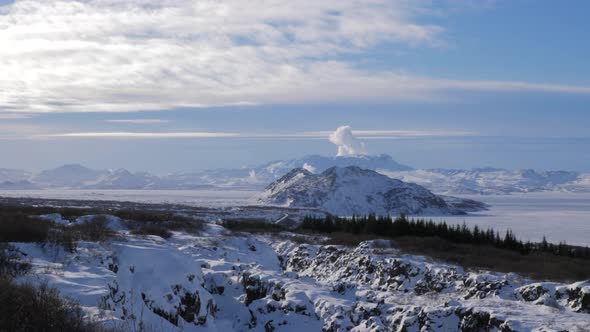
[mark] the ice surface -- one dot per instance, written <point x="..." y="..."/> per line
<point x="558" y="216"/>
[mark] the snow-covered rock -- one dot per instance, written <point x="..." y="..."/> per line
<point x="220" y="282"/>
<point x="355" y="191"/>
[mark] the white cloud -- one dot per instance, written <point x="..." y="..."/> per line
<point x="348" y="145"/>
<point x="142" y="135"/>
<point x="128" y="55"/>
<point x="139" y="121"/>
<point x="395" y="133"/>
<point x="344" y="136"/>
<point x="106" y="55"/>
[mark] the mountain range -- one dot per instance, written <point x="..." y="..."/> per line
<point x="444" y="181"/>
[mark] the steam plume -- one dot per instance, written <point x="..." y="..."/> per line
<point x="348" y="145"/>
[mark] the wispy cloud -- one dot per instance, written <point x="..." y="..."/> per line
<point x="118" y="56"/>
<point x="385" y="134"/>
<point x="142" y="135"/>
<point x="139" y="121"/>
<point x="15" y="116"/>
<point x="363" y="134"/>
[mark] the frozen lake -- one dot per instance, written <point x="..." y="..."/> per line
<point x="209" y="197"/>
<point x="559" y="216"/>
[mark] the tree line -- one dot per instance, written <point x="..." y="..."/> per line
<point x="403" y="226"/>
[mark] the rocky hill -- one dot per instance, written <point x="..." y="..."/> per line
<point x="355" y="191"/>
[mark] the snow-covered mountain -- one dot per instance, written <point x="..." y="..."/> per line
<point x="13" y="175"/>
<point x="493" y="180"/>
<point x="19" y="184"/>
<point x="123" y="179"/>
<point x="318" y="164"/>
<point x="262" y="175"/>
<point x="443" y="181"/>
<point x="67" y="176"/>
<point x="355" y="191"/>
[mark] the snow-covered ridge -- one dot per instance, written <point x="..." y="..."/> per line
<point x="445" y="181"/>
<point x="494" y="181"/>
<point x="355" y="191"/>
<point x="216" y="281"/>
<point x="74" y="176"/>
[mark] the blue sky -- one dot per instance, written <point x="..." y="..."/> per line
<point x="189" y="85"/>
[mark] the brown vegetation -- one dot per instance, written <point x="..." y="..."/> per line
<point x="25" y="307"/>
<point x="159" y="223"/>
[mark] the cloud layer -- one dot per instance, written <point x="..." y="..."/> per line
<point x="346" y="139"/>
<point x="129" y="55"/>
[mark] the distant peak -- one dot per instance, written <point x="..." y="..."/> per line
<point x="295" y="172"/>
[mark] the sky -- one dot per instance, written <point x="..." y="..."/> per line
<point x="180" y="85"/>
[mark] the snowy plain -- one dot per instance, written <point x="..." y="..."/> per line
<point x="559" y="216"/>
<point x="206" y="198"/>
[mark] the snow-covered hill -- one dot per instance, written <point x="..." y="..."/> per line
<point x="123" y="179"/>
<point x="355" y="191"/>
<point x="222" y="281"/>
<point x="13" y="175"/>
<point x="67" y="176"/>
<point x="493" y="180"/>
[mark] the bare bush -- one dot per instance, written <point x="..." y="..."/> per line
<point x="159" y="223"/>
<point x="151" y="228"/>
<point x="18" y="227"/>
<point x="95" y="230"/>
<point x="24" y="307"/>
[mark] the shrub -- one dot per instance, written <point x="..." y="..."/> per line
<point x="145" y="222"/>
<point x="24" y="307"/>
<point x="17" y="227"/>
<point x="148" y="215"/>
<point x="95" y="230"/>
<point x="151" y="228"/>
